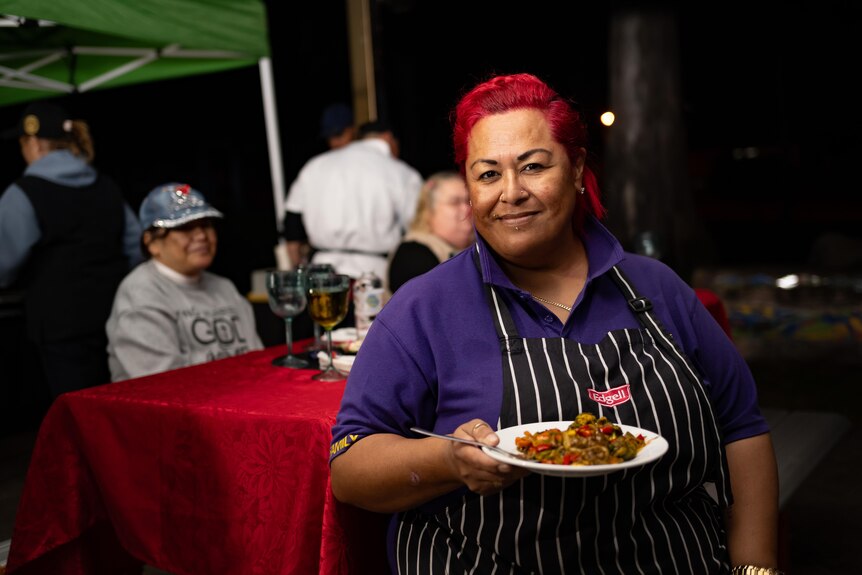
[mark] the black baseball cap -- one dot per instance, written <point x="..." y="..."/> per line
<point x="43" y="120"/>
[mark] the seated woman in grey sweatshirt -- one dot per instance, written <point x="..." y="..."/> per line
<point x="170" y="312"/>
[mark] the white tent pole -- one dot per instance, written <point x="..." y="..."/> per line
<point x="274" y="144"/>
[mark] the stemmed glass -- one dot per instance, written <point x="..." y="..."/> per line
<point x="315" y="269"/>
<point x="288" y="296"/>
<point x="328" y="297"/>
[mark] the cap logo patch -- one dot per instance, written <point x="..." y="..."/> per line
<point x="184" y="199"/>
<point x="181" y="194"/>
<point x="31" y="125"/>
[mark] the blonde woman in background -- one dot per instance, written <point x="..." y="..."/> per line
<point x="442" y="227"/>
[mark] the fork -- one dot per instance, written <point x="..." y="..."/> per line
<point x="467" y="441"/>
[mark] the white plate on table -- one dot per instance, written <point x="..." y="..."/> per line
<point x="344" y="335"/>
<point x="655" y="447"/>
<point x="343" y="363"/>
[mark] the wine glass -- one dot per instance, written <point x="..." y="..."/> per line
<point x="288" y="296"/>
<point x="314" y="269"/>
<point x="328" y="297"/>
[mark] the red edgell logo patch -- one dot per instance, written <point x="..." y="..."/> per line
<point x="611" y="397"/>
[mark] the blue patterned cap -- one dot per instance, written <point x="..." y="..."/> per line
<point x="173" y="205"/>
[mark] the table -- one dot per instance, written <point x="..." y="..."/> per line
<point x="216" y="468"/>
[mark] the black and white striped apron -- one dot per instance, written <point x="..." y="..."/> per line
<point x="652" y="519"/>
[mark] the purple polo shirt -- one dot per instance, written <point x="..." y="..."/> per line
<point x="432" y="358"/>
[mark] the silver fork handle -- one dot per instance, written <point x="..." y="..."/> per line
<point x="462" y="440"/>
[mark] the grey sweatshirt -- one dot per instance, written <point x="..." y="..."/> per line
<point x="158" y="324"/>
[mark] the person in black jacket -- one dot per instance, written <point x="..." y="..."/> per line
<point x="67" y="239"/>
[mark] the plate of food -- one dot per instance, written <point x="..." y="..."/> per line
<point x="346" y="339"/>
<point x="584" y="447"/>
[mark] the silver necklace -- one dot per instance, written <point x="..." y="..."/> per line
<point x="543" y="300"/>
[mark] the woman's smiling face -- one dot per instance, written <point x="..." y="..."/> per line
<point x="522" y="185"/>
<point x="188" y="249"/>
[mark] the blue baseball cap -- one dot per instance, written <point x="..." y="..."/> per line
<point x="173" y="205"/>
<point x="334" y="120"/>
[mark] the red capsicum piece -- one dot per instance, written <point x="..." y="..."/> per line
<point x="570" y="458"/>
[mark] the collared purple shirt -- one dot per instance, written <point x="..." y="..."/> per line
<point x="432" y="358"/>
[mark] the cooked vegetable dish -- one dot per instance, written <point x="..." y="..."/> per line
<point x="587" y="441"/>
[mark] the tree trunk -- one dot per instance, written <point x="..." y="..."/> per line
<point x="646" y="184"/>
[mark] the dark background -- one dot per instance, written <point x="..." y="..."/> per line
<point x="769" y="102"/>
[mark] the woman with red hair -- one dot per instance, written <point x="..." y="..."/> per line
<point x="543" y="318"/>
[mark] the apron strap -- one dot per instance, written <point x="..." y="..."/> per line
<point x="642" y="308"/>
<point x="507" y="333"/>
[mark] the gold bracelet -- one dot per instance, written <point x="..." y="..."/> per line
<point x="755" y="570"/>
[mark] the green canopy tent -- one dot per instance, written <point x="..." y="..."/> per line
<point x="54" y="47"/>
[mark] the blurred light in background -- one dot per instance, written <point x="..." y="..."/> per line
<point x="607" y="118"/>
<point x="787" y="282"/>
<point x="748" y="153"/>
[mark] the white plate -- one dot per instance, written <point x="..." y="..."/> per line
<point x="655" y="447"/>
<point x="343" y="363"/>
<point x="344" y="335"/>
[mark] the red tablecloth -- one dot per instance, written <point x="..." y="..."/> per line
<point x="217" y="468"/>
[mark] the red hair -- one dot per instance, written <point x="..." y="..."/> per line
<point x="503" y="94"/>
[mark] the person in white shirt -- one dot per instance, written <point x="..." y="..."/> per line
<point x="170" y="312"/>
<point x="353" y="204"/>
